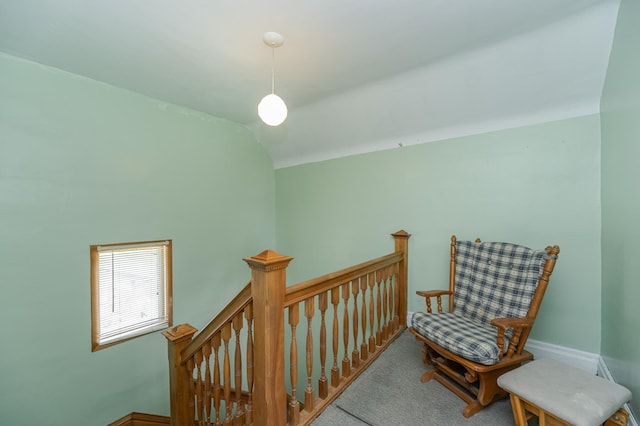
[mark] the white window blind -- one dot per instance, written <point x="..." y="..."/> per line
<point x="132" y="283"/>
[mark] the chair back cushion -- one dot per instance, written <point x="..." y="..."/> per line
<point x="495" y="280"/>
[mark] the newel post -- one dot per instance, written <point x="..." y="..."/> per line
<point x="268" y="283"/>
<point x="402" y="245"/>
<point x="179" y="338"/>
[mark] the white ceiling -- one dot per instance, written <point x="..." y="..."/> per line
<point x="357" y="75"/>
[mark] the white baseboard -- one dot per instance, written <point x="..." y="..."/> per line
<point x="590" y="362"/>
<point x="586" y="361"/>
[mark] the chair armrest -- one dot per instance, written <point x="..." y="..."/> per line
<point x="433" y="293"/>
<point x="514" y="323"/>
<point x="518" y="325"/>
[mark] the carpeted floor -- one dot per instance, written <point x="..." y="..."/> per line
<point x="390" y="393"/>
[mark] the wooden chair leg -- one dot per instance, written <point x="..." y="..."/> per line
<point x="519" y="415"/>
<point x="472" y="409"/>
<point x="428" y="375"/>
<point x="542" y="418"/>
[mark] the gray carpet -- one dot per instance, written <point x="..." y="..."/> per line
<point x="390" y="392"/>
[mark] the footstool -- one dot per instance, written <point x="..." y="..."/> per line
<point x="562" y="395"/>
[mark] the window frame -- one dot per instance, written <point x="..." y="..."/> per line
<point x="96" y="343"/>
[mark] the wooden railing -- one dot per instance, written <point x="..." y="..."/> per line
<point x="234" y="371"/>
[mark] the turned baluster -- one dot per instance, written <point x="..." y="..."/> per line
<point x="500" y="342"/>
<point x="346" y="364"/>
<point x="308" y="393"/>
<point x="192" y="388"/>
<point x="335" y="373"/>
<point x="323" y="385"/>
<point x="372" y="340"/>
<point x="385" y="305"/>
<point x="355" y="356"/>
<point x="513" y="343"/>
<point x="226" y="336"/>
<point x="379" y="309"/>
<point x="393" y="312"/>
<point x="199" y="388"/>
<point x="294" y="407"/>
<point x="206" y="352"/>
<point x="237" y="368"/>
<point x="215" y="345"/>
<point x="248" y="314"/>
<point x="389" y="301"/>
<point x="364" y="353"/>
<point x="393" y="297"/>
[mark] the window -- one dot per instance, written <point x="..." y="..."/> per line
<point x="130" y="291"/>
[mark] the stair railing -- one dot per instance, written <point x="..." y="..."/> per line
<point x="369" y="300"/>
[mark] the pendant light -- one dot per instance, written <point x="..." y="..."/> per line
<point x="272" y="109"/>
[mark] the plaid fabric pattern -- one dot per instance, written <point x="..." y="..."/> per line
<point x="495" y="280"/>
<point x="459" y="335"/>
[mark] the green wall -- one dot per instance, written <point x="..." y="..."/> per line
<point x="85" y="163"/>
<point x="534" y="185"/>
<point x="620" y="116"/>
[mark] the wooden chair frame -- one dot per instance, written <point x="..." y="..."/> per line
<point x="476" y="383"/>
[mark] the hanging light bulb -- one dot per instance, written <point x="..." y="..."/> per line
<point x="272" y="109"/>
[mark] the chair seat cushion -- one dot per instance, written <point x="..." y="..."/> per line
<point x="459" y="335"/>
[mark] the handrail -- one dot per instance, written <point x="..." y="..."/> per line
<point x="238" y="303"/>
<point x="306" y="289"/>
<point x="233" y="371"/>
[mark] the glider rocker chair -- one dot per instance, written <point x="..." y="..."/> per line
<point x="495" y="291"/>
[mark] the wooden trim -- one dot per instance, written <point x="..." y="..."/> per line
<point x="168" y="297"/>
<point x="230" y="311"/>
<point x="142" y="419"/>
<point x="123" y="245"/>
<point x="95" y="302"/>
<point x="95" y="289"/>
<point x="306" y="289"/>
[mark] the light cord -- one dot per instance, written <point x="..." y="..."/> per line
<point x="273" y="72"/>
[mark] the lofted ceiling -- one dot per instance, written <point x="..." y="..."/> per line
<point x="357" y="75"/>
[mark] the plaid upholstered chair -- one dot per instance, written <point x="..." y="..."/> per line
<point x="495" y="291"/>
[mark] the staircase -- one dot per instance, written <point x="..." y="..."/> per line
<point x="255" y="364"/>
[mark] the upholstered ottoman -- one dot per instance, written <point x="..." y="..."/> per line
<point x="562" y="395"/>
